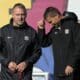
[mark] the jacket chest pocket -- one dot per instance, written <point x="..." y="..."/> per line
<point x="61" y="37"/>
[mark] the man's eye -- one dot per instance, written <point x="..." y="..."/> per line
<point x="50" y="22"/>
<point x="17" y="14"/>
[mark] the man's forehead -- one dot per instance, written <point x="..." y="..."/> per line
<point x="50" y="17"/>
<point x="17" y="8"/>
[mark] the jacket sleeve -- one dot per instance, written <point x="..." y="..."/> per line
<point x="77" y="43"/>
<point x="74" y="45"/>
<point x="44" y="39"/>
<point x="34" y="51"/>
<point x="3" y="60"/>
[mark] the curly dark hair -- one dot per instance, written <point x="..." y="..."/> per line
<point x="51" y="11"/>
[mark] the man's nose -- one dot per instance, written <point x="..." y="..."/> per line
<point x="20" y="17"/>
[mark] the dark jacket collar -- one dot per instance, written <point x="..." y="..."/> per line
<point x="24" y="25"/>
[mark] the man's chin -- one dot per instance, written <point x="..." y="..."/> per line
<point x="20" y="23"/>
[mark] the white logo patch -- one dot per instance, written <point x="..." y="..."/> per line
<point x="9" y="37"/>
<point x="66" y="31"/>
<point x="56" y="33"/>
<point x="26" y="38"/>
